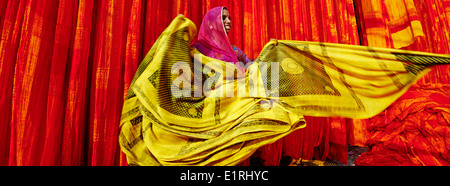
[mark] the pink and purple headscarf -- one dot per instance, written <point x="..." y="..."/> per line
<point x="212" y="38"/>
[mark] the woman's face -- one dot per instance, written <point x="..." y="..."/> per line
<point x="226" y="20"/>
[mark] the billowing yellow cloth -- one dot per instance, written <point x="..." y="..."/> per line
<point x="222" y="120"/>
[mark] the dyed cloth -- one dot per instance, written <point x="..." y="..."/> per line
<point x="413" y="131"/>
<point x="161" y="127"/>
<point x="390" y="23"/>
<point x="305" y="163"/>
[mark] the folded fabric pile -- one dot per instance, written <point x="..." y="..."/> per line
<point x="413" y="131"/>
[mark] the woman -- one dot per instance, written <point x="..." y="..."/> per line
<point x="213" y="40"/>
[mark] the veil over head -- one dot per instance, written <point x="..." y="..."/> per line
<point x="212" y="38"/>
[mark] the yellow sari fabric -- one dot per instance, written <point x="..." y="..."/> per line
<point x="289" y="79"/>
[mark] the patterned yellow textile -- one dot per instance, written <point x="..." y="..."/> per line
<point x="288" y="79"/>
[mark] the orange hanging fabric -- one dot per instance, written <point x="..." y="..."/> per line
<point x="391" y="23"/>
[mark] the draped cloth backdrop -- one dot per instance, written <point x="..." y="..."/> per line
<point x="65" y="67"/>
<point x="415" y="129"/>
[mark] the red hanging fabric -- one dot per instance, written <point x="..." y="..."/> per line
<point x="12" y="20"/>
<point x="56" y="103"/>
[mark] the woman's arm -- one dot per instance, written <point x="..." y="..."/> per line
<point x="241" y="55"/>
